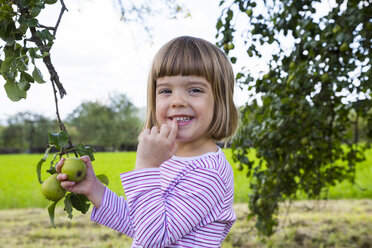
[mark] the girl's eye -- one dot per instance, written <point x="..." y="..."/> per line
<point x="196" y="90"/>
<point x="164" y="91"/>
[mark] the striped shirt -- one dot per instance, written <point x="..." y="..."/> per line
<point x="186" y="202"/>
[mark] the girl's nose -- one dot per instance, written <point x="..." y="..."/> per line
<point x="178" y="100"/>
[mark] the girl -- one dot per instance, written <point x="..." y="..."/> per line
<point x="181" y="191"/>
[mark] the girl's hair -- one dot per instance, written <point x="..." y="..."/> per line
<point x="194" y="56"/>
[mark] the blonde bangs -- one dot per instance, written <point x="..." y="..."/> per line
<point x="184" y="57"/>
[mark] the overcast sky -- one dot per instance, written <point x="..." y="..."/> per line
<point x="96" y="54"/>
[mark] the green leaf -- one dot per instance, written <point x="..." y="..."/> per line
<point x="35" y="11"/>
<point x="68" y="205"/>
<point x="219" y="24"/>
<point x="58" y="140"/>
<point x="27" y="76"/>
<point x="5" y="66"/>
<point x="50" y="1"/>
<point x="36" y="74"/>
<point x="40" y="163"/>
<point x="21" y="64"/>
<point x="45" y="54"/>
<point x="31" y="22"/>
<point x="33" y="54"/>
<point x="79" y="202"/>
<point x="24" y="85"/>
<point x="103" y="178"/>
<point x="46" y="35"/>
<point x="13" y="91"/>
<point x="51" y="209"/>
<point x="85" y="150"/>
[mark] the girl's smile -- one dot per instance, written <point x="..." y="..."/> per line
<point x="189" y="100"/>
<point x="182" y="120"/>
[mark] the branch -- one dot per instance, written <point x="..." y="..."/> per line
<point x="63" y="9"/>
<point x="54" y="78"/>
<point x="61" y="125"/>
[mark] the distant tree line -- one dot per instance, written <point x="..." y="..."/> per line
<point x="107" y="127"/>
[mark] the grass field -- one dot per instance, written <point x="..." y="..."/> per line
<point x="19" y="187"/>
<point x="345" y="221"/>
<point x="335" y="223"/>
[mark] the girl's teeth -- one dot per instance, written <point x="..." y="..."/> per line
<point x="182" y="118"/>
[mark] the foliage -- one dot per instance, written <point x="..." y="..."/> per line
<point x="300" y="110"/>
<point x="141" y="11"/>
<point x="26" y="40"/>
<point x="26" y="131"/>
<point x="114" y="125"/>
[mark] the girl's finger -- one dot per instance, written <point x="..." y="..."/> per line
<point x="61" y="177"/>
<point x="67" y="184"/>
<point x="146" y="131"/>
<point x="59" y="165"/>
<point x="174" y="130"/>
<point x="164" y="130"/>
<point x="86" y="160"/>
<point x="154" y="131"/>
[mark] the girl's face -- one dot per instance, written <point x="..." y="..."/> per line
<point x="189" y="100"/>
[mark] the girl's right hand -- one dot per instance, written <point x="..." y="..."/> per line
<point x="90" y="186"/>
<point x="156" y="146"/>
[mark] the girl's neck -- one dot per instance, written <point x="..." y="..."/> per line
<point x="195" y="149"/>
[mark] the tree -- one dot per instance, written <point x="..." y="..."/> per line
<point x="26" y="131"/>
<point x="111" y="126"/>
<point x="299" y="115"/>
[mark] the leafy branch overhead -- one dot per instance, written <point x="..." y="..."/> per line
<point x="303" y="114"/>
<point x="26" y="40"/>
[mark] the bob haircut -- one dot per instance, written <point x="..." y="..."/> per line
<point x="194" y="56"/>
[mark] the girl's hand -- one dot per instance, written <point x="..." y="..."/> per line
<point x="156" y="146"/>
<point x="90" y="186"/>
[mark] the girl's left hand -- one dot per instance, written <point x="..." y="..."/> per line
<point x="156" y="146"/>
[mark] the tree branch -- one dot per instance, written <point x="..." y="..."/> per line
<point x="61" y="125"/>
<point x="54" y="78"/>
<point x="63" y="9"/>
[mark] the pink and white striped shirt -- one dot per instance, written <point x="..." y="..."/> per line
<point x="186" y="202"/>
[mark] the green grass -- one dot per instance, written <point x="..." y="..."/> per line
<point x="332" y="223"/>
<point x="363" y="182"/>
<point x="19" y="187"/>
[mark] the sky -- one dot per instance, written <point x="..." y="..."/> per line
<point x="96" y="54"/>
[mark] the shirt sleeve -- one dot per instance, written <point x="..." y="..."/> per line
<point x="113" y="213"/>
<point x="161" y="216"/>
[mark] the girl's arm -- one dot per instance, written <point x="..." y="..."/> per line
<point x="162" y="216"/>
<point x="106" y="203"/>
<point x="113" y="213"/>
<point x="158" y="217"/>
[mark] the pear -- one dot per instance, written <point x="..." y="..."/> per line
<point x="75" y="169"/>
<point x="52" y="189"/>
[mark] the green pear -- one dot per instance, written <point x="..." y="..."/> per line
<point x="52" y="189"/>
<point x="75" y="169"/>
